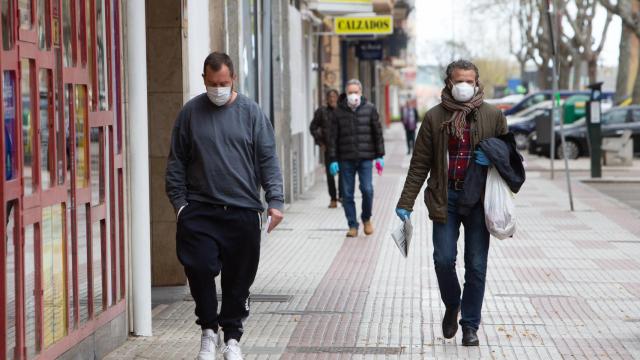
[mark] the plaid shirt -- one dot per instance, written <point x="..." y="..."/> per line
<point x="460" y="152"/>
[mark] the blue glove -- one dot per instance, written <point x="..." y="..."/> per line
<point x="334" y="168"/>
<point x="481" y="158"/>
<point x="380" y="161"/>
<point x="403" y="214"/>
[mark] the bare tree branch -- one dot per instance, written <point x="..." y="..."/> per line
<point x="604" y="32"/>
<point x="629" y="19"/>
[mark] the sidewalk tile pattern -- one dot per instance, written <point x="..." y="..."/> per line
<point x="566" y="286"/>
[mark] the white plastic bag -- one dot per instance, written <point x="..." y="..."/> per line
<point x="499" y="210"/>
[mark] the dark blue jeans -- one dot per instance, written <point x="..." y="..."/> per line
<point x="476" y="250"/>
<point x="348" y="170"/>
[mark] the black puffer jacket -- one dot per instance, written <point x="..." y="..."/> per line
<point x="321" y="125"/>
<point x="355" y="135"/>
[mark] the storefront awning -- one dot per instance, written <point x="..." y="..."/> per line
<point x="341" y="7"/>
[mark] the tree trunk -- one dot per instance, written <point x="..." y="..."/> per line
<point x="545" y="76"/>
<point x="636" y="89"/>
<point x="564" y="75"/>
<point x="624" y="62"/>
<point x="577" y="74"/>
<point x="523" y="68"/>
<point x="592" y="69"/>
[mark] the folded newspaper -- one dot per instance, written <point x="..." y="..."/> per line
<point x="402" y="236"/>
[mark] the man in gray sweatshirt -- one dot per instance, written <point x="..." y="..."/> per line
<point x="222" y="152"/>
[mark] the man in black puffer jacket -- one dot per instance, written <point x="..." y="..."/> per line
<point x="355" y="142"/>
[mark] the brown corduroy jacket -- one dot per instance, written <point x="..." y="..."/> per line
<point x="431" y="156"/>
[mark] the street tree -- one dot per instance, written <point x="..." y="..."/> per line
<point x="574" y="38"/>
<point x="584" y="45"/>
<point x="629" y="12"/>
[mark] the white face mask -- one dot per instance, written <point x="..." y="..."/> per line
<point x="353" y="100"/>
<point x="463" y="92"/>
<point x="219" y="95"/>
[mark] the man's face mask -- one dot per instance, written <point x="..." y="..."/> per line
<point x="463" y="92"/>
<point x="219" y="95"/>
<point x="354" y="100"/>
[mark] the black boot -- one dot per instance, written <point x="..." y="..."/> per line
<point x="470" y="337"/>
<point x="450" y="322"/>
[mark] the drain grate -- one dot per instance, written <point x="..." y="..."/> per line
<point x="359" y="350"/>
<point x="305" y="312"/>
<point x="264" y="298"/>
<point x="329" y="230"/>
<point x="533" y="296"/>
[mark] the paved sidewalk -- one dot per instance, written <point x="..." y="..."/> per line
<point x="566" y="287"/>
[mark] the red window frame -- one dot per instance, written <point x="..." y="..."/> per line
<point x="108" y="214"/>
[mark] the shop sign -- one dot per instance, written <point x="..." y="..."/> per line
<point x="364" y="25"/>
<point x="369" y="50"/>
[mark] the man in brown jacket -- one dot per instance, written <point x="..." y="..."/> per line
<point x="445" y="146"/>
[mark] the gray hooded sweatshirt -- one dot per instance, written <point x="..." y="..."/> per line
<point x="222" y="155"/>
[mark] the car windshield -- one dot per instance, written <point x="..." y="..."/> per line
<point x="532" y="110"/>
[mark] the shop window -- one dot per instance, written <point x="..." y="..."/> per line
<point x="58" y="130"/>
<point x="28" y="131"/>
<point x="96" y="149"/>
<point x="30" y="288"/>
<point x="249" y="68"/>
<point x="96" y="262"/>
<point x="7" y="24"/>
<point x="115" y="61"/>
<point x="70" y="259"/>
<point x="68" y="108"/>
<point x="120" y="233"/>
<point x="9" y="274"/>
<point x="53" y="275"/>
<point x="103" y="72"/>
<point x="88" y="47"/>
<point x="83" y="263"/>
<point x="80" y="105"/>
<point x="45" y="101"/>
<point x="43" y="25"/>
<point x="25" y="11"/>
<point x="10" y="126"/>
<point x="67" y="33"/>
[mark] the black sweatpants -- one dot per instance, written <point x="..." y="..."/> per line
<point x="213" y="240"/>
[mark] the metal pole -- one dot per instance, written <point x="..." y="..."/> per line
<point x="556" y="110"/>
<point x="140" y="234"/>
<point x="557" y="114"/>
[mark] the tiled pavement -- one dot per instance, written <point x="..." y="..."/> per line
<point x="567" y="286"/>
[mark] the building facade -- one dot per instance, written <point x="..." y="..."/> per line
<point x="63" y="248"/>
<point x="91" y="90"/>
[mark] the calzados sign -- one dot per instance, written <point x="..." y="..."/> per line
<point x="367" y="25"/>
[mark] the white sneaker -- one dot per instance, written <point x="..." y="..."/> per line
<point x="232" y="351"/>
<point x="209" y="344"/>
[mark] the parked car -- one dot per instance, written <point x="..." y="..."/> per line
<point x="523" y="123"/>
<point x="507" y="102"/>
<point x="613" y="122"/>
<point x="536" y="98"/>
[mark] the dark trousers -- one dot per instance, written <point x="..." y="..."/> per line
<point x="348" y="171"/>
<point x="411" y="140"/>
<point x="331" y="180"/>
<point x="211" y="240"/>
<point x="476" y="250"/>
